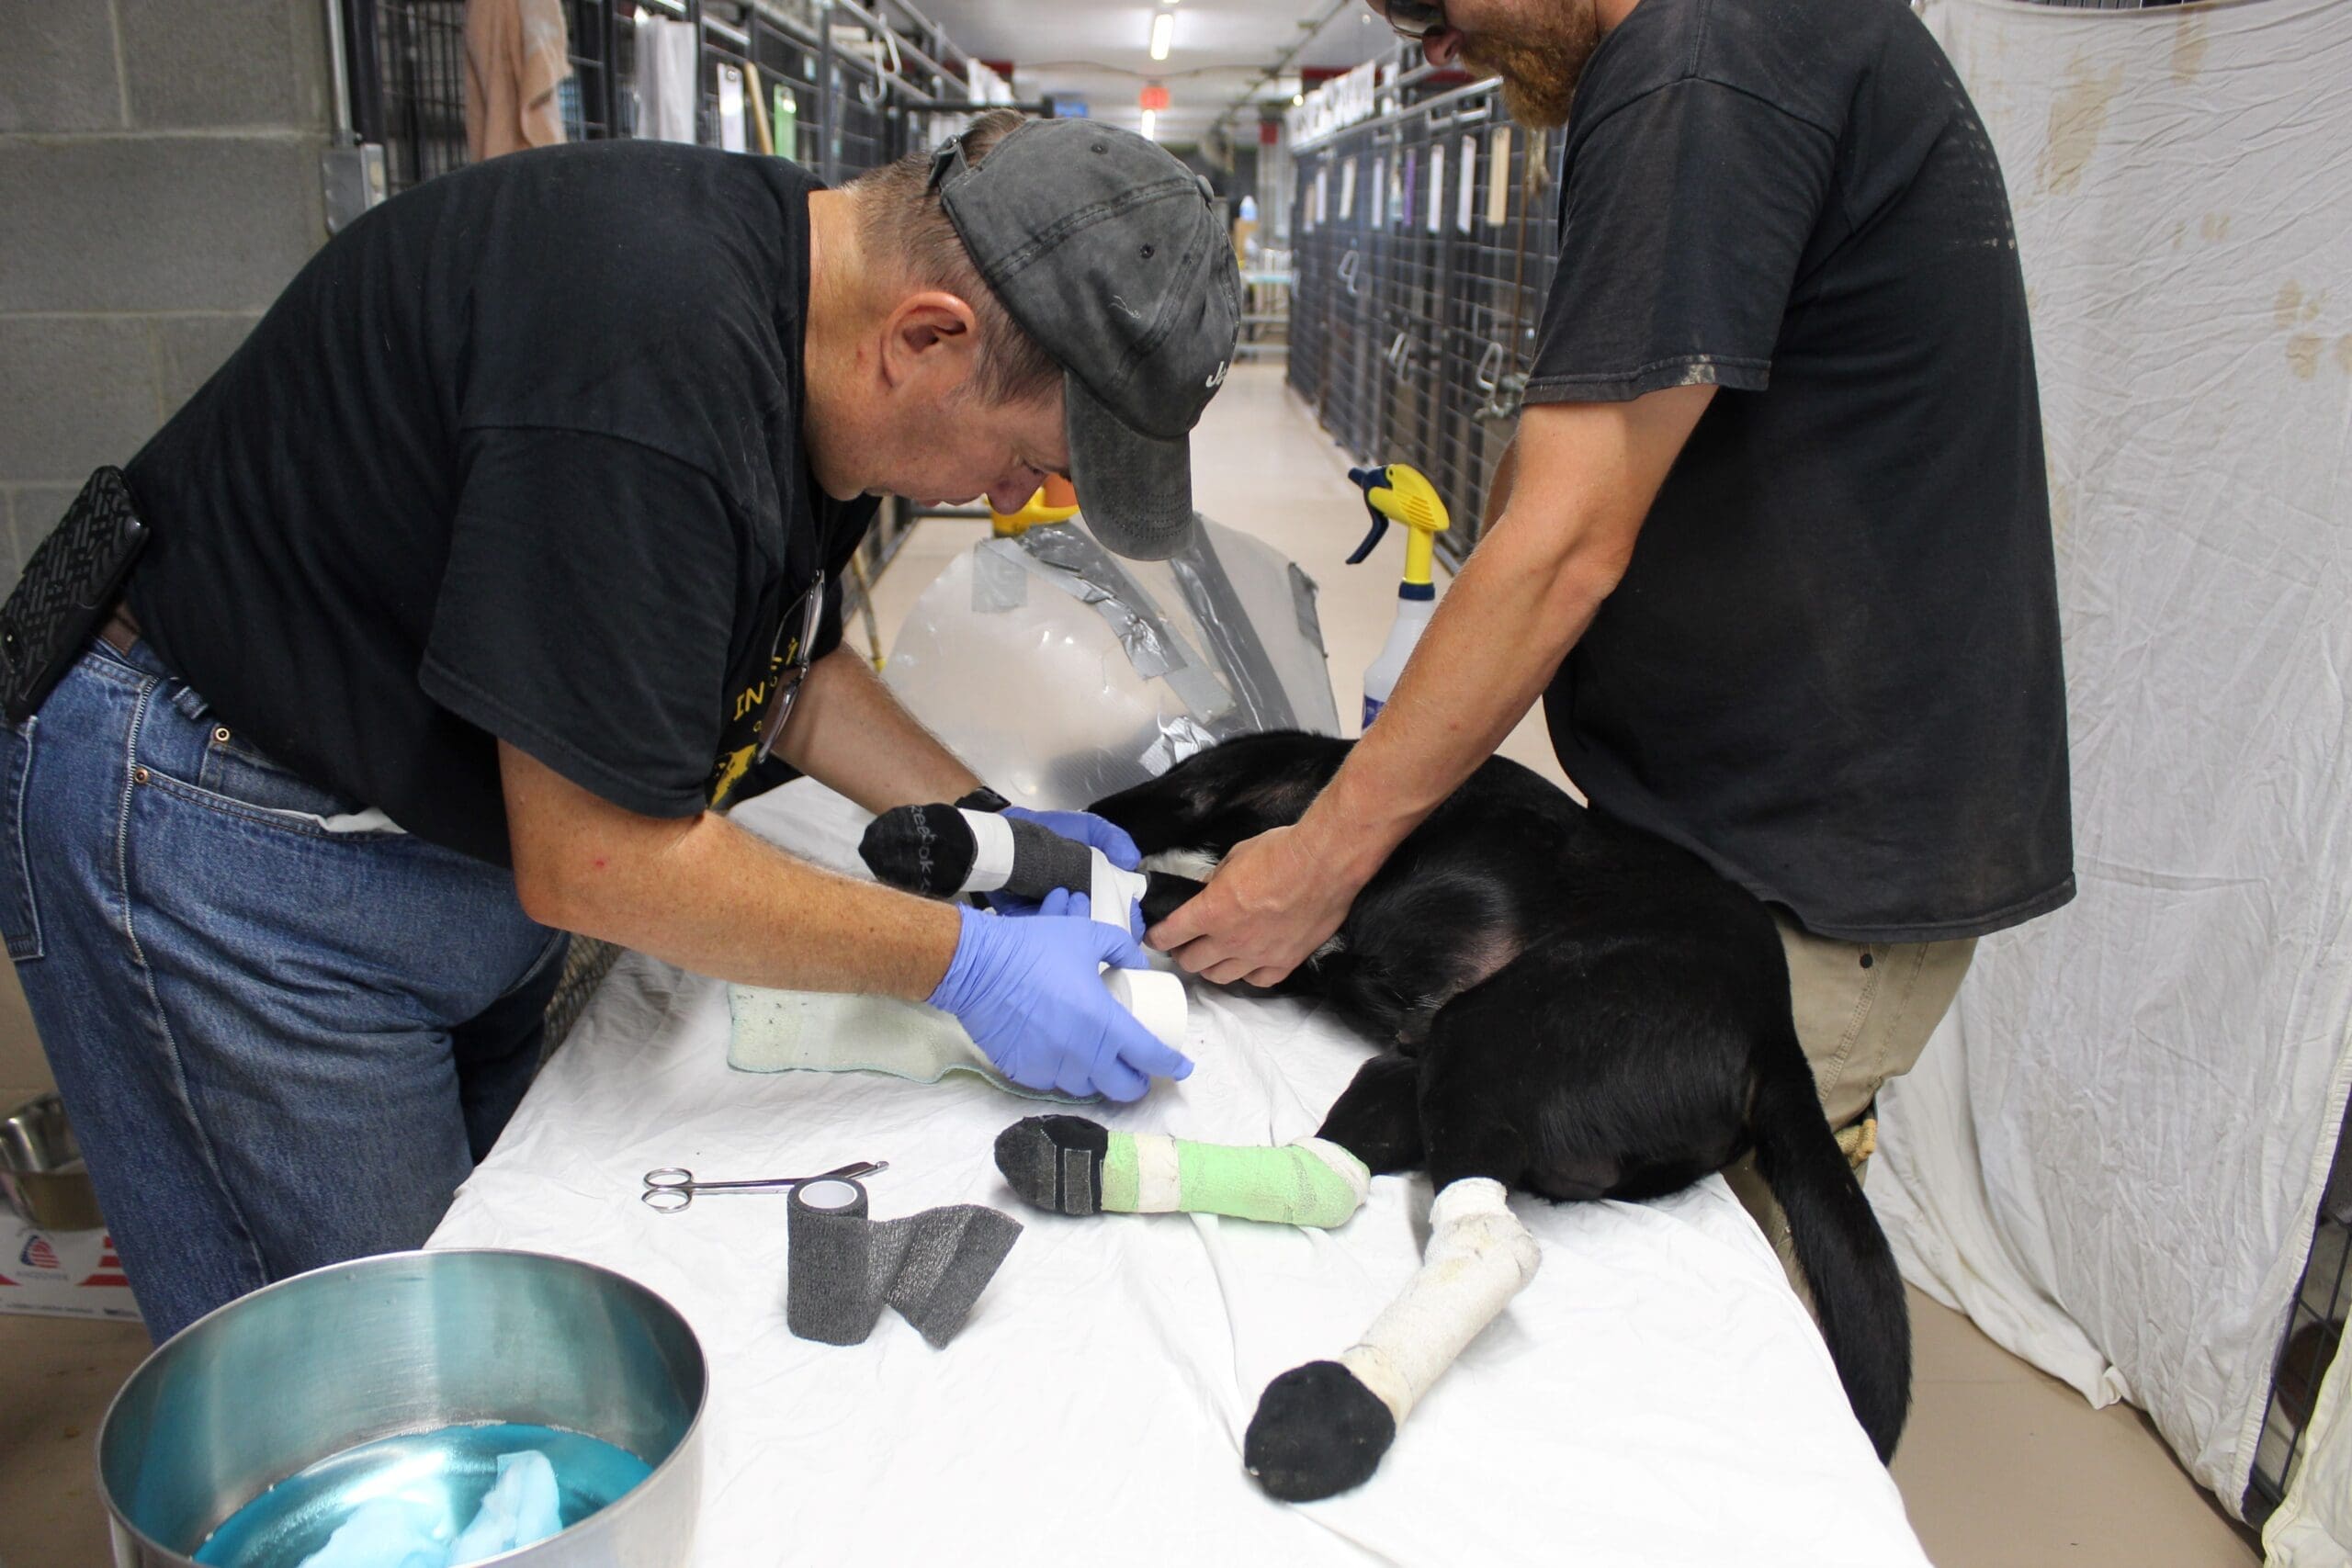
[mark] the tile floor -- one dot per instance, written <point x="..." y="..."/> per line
<point x="2001" y="1467"/>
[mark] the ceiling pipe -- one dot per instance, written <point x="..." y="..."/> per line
<point x="1309" y="32"/>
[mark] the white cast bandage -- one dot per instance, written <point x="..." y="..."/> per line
<point x="1158" y="1187"/>
<point x="1479" y="1257"/>
<point x="991" y="852"/>
<point x="1115" y="892"/>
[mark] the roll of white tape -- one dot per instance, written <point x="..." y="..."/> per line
<point x="1158" y="1001"/>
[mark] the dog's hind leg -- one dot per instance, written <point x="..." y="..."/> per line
<point x="1322" y="1429"/>
<point x="1378" y="1120"/>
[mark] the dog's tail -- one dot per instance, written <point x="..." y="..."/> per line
<point x="1857" y="1293"/>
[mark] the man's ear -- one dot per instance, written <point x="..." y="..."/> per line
<point x="931" y="336"/>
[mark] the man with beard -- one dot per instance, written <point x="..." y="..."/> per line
<point x="1773" y="538"/>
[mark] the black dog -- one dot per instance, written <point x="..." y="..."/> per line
<point x="1579" y="1009"/>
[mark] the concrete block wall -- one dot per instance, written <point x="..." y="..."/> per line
<point x="159" y="184"/>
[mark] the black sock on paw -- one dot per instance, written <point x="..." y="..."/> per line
<point x="1317" y="1432"/>
<point x="1056" y="1162"/>
<point x="922" y="849"/>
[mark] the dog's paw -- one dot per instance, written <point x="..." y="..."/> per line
<point x="922" y="849"/>
<point x="1055" y="1162"/>
<point x="1317" y="1432"/>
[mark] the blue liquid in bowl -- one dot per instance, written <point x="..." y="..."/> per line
<point x="452" y="1469"/>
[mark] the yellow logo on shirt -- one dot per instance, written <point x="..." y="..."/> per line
<point x="730" y="770"/>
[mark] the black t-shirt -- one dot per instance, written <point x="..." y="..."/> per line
<point x="1832" y="667"/>
<point x="517" y="455"/>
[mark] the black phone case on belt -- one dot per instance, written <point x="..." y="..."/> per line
<point x="68" y="587"/>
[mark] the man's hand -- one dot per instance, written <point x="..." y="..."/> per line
<point x="1086" y="829"/>
<point x="1582" y="481"/>
<point x="1272" y="902"/>
<point x="1028" y="993"/>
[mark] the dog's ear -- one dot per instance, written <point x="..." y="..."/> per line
<point x="1231" y="791"/>
<point x="1160" y="814"/>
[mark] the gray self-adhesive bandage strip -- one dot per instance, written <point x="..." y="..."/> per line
<point x="1024" y="858"/>
<point x="844" y="1266"/>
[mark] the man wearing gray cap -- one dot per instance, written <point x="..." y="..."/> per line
<point x="501" y="559"/>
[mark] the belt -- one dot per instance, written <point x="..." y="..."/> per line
<point x="121" y="629"/>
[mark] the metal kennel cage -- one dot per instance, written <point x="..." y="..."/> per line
<point x="1423" y="238"/>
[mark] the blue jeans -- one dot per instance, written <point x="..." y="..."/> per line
<point x="280" y="1046"/>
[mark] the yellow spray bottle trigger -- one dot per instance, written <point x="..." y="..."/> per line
<point x="1403" y="493"/>
<point x="1053" y="503"/>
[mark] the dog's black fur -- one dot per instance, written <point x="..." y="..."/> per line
<point x="1579" y="1010"/>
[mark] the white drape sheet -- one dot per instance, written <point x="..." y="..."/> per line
<point x="1656" y="1394"/>
<point x="2113" y="1153"/>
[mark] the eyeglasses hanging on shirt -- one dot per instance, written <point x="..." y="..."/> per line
<point x="794" y="640"/>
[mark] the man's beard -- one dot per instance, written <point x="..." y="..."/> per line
<point x="1539" y="74"/>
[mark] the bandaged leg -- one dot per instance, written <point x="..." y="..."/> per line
<point x="943" y="850"/>
<point x="1073" y="1166"/>
<point x="1322" y="1429"/>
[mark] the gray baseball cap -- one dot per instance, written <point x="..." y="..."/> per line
<point x="1108" y="252"/>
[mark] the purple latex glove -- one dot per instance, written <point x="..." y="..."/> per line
<point x="1087" y="828"/>
<point x="1027" y="991"/>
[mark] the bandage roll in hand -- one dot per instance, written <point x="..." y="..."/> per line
<point x="1030" y="994"/>
<point x="946" y="850"/>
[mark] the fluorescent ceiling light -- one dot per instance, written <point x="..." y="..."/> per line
<point x="1163" y="28"/>
<point x="1151" y="125"/>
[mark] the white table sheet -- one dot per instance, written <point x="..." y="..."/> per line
<point x="1656" y="1395"/>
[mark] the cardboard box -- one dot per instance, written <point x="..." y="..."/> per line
<point x="62" y="1273"/>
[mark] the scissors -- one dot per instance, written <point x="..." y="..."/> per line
<point x="670" y="1189"/>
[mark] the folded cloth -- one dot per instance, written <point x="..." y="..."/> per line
<point x="777" y="1032"/>
<point x="387" y="1532"/>
<point x="523" y="1506"/>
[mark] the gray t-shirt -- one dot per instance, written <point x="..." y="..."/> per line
<point x="1832" y="667"/>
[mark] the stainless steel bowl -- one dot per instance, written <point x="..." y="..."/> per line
<point x="42" y="1172"/>
<point x="406" y="1343"/>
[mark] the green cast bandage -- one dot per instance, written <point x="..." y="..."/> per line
<point x="1073" y="1166"/>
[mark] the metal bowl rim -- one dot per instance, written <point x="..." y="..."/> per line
<point x="685" y="1439"/>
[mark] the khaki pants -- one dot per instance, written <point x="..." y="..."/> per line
<point x="1864" y="1014"/>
